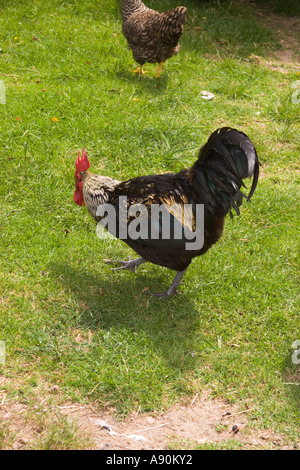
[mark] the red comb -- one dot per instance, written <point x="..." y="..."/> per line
<point x="82" y="164"/>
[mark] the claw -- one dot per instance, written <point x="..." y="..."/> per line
<point x="130" y="264"/>
<point x="140" y="71"/>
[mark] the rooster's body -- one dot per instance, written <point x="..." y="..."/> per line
<point x="214" y="180"/>
<point x="152" y="36"/>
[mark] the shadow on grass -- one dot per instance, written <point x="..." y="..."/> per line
<point x="147" y="82"/>
<point x="121" y="300"/>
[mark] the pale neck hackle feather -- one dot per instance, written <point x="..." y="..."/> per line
<point x="96" y="190"/>
<point x="129" y="7"/>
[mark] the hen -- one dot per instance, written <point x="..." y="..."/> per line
<point x="212" y="184"/>
<point x="152" y="36"/>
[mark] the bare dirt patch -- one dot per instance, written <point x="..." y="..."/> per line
<point x="287" y="29"/>
<point x="184" y="426"/>
<point x="205" y="421"/>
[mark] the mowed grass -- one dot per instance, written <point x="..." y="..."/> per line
<point x="66" y="319"/>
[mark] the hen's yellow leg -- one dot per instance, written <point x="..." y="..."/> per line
<point x="140" y="70"/>
<point x="160" y="66"/>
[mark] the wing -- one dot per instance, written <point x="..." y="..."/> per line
<point x="140" y="29"/>
<point x="151" y="29"/>
<point x="156" y="217"/>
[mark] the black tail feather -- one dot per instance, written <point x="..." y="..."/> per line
<point x="223" y="162"/>
<point x="255" y="179"/>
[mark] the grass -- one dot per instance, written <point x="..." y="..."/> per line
<point x="280" y="6"/>
<point x="66" y="319"/>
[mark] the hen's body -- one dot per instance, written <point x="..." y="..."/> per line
<point x="214" y="180"/>
<point x="152" y="36"/>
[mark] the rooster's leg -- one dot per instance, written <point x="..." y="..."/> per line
<point x="173" y="287"/>
<point x="130" y="264"/>
<point x="140" y="70"/>
<point x="160" y="66"/>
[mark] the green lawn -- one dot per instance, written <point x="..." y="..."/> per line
<point x="67" y="319"/>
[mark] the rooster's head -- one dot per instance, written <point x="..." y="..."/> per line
<point x="82" y="164"/>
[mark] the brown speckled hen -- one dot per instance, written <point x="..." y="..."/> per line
<point x="152" y="36"/>
<point x="213" y="183"/>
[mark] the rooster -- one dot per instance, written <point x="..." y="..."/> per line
<point x="152" y="36"/>
<point x="213" y="182"/>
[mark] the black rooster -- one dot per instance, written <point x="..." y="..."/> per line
<point x="213" y="183"/>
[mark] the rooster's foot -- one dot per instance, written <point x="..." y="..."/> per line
<point x="130" y="264"/>
<point x="140" y="71"/>
<point x="173" y="287"/>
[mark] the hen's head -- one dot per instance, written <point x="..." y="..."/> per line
<point x="82" y="164"/>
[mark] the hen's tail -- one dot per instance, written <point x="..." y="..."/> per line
<point x="217" y="176"/>
<point x="175" y="17"/>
